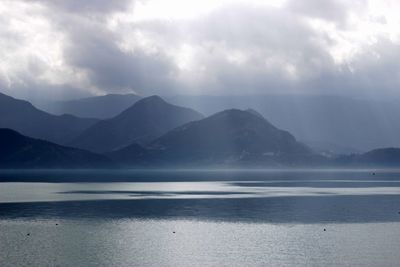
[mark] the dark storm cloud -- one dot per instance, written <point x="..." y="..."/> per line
<point x="110" y="69"/>
<point x="94" y="49"/>
<point x="238" y="48"/>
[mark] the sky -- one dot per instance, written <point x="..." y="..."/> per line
<point x="69" y="49"/>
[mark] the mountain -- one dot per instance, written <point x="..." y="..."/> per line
<point x="330" y="149"/>
<point x="18" y="151"/>
<point x="146" y="120"/>
<point x="361" y="124"/>
<point x="383" y="157"/>
<point x="228" y="137"/>
<point x="100" y="107"/>
<point x="23" y="117"/>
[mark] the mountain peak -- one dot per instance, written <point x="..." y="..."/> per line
<point x="143" y="122"/>
<point x="231" y="113"/>
<point x="231" y="135"/>
<point x="147" y="104"/>
<point x="245" y="117"/>
<point x="254" y="112"/>
<point x="152" y="100"/>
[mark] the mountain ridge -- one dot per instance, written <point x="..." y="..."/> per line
<point x="231" y="136"/>
<point x="22" y="116"/>
<point x="141" y="123"/>
<point x="99" y="107"/>
<point x="19" y="151"/>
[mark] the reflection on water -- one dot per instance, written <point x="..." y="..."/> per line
<point x="195" y="243"/>
<point x="250" y="196"/>
<point x="305" y="200"/>
<point x="203" y="218"/>
<point x="34" y="192"/>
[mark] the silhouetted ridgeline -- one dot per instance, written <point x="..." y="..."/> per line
<point x="146" y="120"/>
<point x="383" y="157"/>
<point x="18" y="151"/>
<point x="231" y="137"/>
<point x="99" y="107"/>
<point x="153" y="133"/>
<point x="327" y="123"/>
<point x="23" y="117"/>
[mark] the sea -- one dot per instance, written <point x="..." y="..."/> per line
<point x="200" y="217"/>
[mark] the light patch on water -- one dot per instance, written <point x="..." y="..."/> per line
<point x="38" y="192"/>
<point x="195" y="243"/>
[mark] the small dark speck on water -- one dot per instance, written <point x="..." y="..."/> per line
<point x="324" y="230"/>
<point x="56" y="223"/>
<point x="28" y="234"/>
<point x="373" y="173"/>
<point x="173" y="232"/>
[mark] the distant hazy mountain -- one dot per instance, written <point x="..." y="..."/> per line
<point x="146" y="120"/>
<point x="101" y="107"/>
<point x="18" y="151"/>
<point x="383" y="157"/>
<point x="231" y="136"/>
<point x="331" y="149"/>
<point x="353" y="124"/>
<point x="25" y="118"/>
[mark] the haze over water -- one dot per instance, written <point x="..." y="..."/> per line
<point x="200" y="218"/>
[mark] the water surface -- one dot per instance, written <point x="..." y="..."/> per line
<point x="200" y="218"/>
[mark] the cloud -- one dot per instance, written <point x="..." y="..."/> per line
<point x="330" y="10"/>
<point x="94" y="49"/>
<point x="233" y="47"/>
<point x="87" y="6"/>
